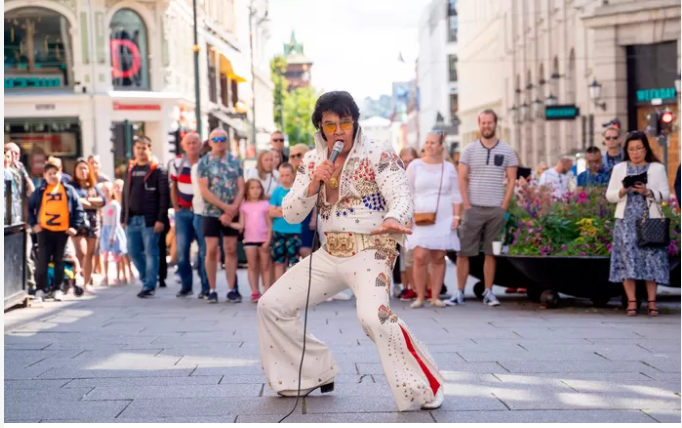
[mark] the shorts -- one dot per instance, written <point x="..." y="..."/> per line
<point x="92" y="228"/>
<point x="477" y="221"/>
<point x="253" y="244"/>
<point x="212" y="227"/>
<point x="307" y="234"/>
<point x="285" y="247"/>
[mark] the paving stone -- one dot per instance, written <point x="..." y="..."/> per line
<point x="45" y="395"/>
<point x="11" y="385"/>
<point x="542" y="416"/>
<point x="664" y="416"/>
<point x="574" y="366"/>
<point x="67" y="373"/>
<point x="374" y="417"/>
<point x="78" y="410"/>
<point x="187" y="391"/>
<point x="207" y="406"/>
<point x="574" y="400"/>
<point x="172" y="382"/>
<point x="177" y="420"/>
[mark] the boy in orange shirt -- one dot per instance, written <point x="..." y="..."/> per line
<point x="54" y="213"/>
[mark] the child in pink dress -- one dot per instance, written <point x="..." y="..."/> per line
<point x="256" y="224"/>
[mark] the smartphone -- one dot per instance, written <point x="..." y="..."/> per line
<point x="523" y="172"/>
<point x="631" y="180"/>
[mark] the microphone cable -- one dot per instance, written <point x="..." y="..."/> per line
<point x="338" y="148"/>
<point x="305" y="316"/>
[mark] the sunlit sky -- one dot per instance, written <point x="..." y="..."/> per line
<point x="354" y="44"/>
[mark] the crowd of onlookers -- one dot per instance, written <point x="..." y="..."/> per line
<point x="89" y="220"/>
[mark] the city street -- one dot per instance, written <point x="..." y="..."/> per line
<point x="116" y="358"/>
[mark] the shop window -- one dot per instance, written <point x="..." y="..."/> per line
<point x="452" y="70"/>
<point x="129" y="56"/>
<point x="38" y="50"/>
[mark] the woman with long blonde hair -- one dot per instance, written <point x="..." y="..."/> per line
<point x="265" y="172"/>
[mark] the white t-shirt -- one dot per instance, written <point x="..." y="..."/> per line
<point x="197" y="200"/>
<point x="557" y="182"/>
<point x="270" y="182"/>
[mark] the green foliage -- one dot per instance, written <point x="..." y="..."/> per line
<point x="299" y="105"/>
<point x="278" y="65"/>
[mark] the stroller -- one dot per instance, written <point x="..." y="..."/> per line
<point x="69" y="278"/>
<point x="69" y="274"/>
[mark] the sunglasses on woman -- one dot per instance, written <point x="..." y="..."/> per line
<point x="296" y="155"/>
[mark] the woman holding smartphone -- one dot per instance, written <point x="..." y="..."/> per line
<point x="634" y="195"/>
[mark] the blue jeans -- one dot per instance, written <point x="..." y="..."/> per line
<point x="143" y="248"/>
<point x="188" y="228"/>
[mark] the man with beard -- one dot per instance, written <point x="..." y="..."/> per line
<point x="482" y="169"/>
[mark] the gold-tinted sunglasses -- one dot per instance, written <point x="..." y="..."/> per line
<point x="330" y="127"/>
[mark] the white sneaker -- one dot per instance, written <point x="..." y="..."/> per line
<point x="39" y="296"/>
<point x="58" y="296"/>
<point x="490" y="299"/>
<point x="456" y="299"/>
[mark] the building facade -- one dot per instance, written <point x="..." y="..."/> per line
<point x="438" y="76"/>
<point x="73" y="69"/>
<point x="555" y="71"/>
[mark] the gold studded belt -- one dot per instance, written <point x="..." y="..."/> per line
<point x="345" y="244"/>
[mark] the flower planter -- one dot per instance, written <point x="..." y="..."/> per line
<point x="576" y="276"/>
<point x="506" y="275"/>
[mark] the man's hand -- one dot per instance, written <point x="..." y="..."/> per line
<point x="112" y="241"/>
<point x="71" y="231"/>
<point x="158" y="227"/>
<point x="391" y="225"/>
<point x="313" y="224"/>
<point x="467" y="206"/>
<point x="231" y="210"/>
<point x="505" y="205"/>
<point x="323" y="172"/>
<point x="37" y="228"/>
<point x="225" y="219"/>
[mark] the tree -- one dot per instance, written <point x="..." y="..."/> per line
<point x="278" y="66"/>
<point x="299" y="105"/>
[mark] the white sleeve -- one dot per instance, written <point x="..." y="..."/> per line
<point x="454" y="184"/>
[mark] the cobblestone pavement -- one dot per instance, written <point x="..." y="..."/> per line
<point x="115" y="358"/>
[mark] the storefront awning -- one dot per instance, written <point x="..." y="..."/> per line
<point x="231" y="62"/>
<point x="239" y="125"/>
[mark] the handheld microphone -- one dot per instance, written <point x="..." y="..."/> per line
<point x="336" y="151"/>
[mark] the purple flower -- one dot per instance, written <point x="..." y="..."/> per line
<point x="582" y="254"/>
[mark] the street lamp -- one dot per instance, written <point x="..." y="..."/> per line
<point x="595" y="94"/>
<point x="551" y="100"/>
<point x="524" y="111"/>
<point x="537" y="108"/>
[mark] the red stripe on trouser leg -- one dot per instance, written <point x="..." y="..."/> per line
<point x="433" y="383"/>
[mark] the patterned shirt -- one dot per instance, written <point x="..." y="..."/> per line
<point x="223" y="174"/>
<point x="601" y="178"/>
<point x="487" y="169"/>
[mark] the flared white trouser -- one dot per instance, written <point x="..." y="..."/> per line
<point x="410" y="370"/>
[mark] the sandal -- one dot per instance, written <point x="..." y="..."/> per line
<point x="653" y="312"/>
<point x="437" y="303"/>
<point x="631" y="312"/>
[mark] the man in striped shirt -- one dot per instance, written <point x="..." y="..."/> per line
<point x="482" y="170"/>
<point x="186" y="228"/>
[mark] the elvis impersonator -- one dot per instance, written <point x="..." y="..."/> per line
<point x="364" y="209"/>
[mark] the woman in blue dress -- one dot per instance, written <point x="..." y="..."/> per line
<point x="630" y="262"/>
